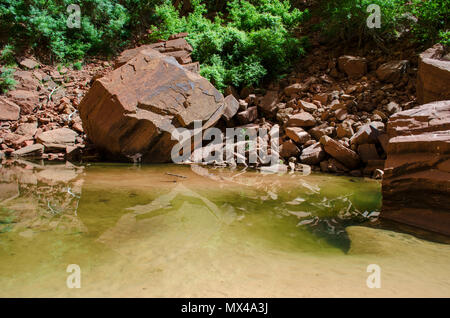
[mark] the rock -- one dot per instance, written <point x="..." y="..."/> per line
<point x="335" y="166"/>
<point x="341" y="114"/>
<point x="27" y="129"/>
<point x="302" y="119"/>
<point x="131" y="112"/>
<point x="63" y="136"/>
<point x="354" y="67"/>
<point x="366" y="134"/>
<point x="295" y="89"/>
<point x="344" y="130"/>
<point x="248" y="116"/>
<point x="393" y="108"/>
<point x="8" y="110"/>
<point x="32" y="151"/>
<point x="231" y="107"/>
<point x="372" y="166"/>
<point x="298" y="135"/>
<point x="321" y="130"/>
<point x="307" y="107"/>
<point x="27" y="100"/>
<point x="322" y="98"/>
<point x="26" y="80"/>
<point x="29" y="63"/>
<point x="269" y="102"/>
<point x="313" y="154"/>
<point x="416" y="183"/>
<point x="346" y="156"/>
<point x="393" y="71"/>
<point x="433" y="77"/>
<point x="177" y="48"/>
<point x="289" y="149"/>
<point x="368" y="152"/>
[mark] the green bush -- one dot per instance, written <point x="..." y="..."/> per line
<point x="251" y="41"/>
<point x="7" y="81"/>
<point x="426" y="21"/>
<point x="106" y="25"/>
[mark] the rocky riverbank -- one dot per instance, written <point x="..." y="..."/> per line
<point x="332" y="111"/>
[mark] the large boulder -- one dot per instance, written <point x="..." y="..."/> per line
<point x="131" y="112"/>
<point x="416" y="183"/>
<point x="433" y="78"/>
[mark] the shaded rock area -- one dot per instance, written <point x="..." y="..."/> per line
<point x="416" y="183"/>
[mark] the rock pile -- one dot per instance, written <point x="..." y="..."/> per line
<point x="334" y="115"/>
<point x="39" y="118"/>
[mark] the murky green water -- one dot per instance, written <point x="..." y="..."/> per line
<point x="175" y="231"/>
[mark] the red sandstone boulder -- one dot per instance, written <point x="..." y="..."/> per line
<point x="416" y="183"/>
<point x="433" y="77"/>
<point x="131" y="112"/>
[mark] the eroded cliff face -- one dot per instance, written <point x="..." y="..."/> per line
<point x="416" y="184"/>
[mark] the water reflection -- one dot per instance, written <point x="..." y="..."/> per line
<point x="98" y="199"/>
<point x="195" y="231"/>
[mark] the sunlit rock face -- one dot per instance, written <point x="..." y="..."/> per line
<point x="433" y="78"/>
<point x="416" y="184"/>
<point x="131" y="112"/>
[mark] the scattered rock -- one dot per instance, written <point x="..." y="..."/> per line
<point x="354" y="67"/>
<point x="302" y="119"/>
<point x="346" y="156"/>
<point x="32" y="151"/>
<point x="297" y="134"/>
<point x="62" y="136"/>
<point x="393" y="71"/>
<point x="248" y="116"/>
<point x="231" y="107"/>
<point x="8" y="110"/>
<point x="313" y="154"/>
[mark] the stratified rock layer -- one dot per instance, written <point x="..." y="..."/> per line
<point x="416" y="184"/>
<point x="131" y="112"/>
<point x="433" y="77"/>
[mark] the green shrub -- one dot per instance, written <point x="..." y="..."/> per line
<point x="433" y="22"/>
<point x="106" y="25"/>
<point x="7" y="81"/>
<point x="254" y="41"/>
<point x="426" y="21"/>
